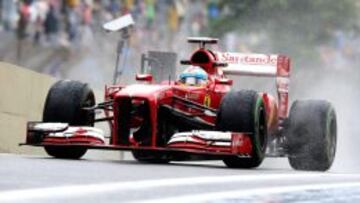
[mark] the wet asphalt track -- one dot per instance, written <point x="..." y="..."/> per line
<point x="43" y="179"/>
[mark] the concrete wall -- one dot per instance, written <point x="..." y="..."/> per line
<point x="22" y="96"/>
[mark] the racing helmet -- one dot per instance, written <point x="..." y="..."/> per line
<point x="194" y="76"/>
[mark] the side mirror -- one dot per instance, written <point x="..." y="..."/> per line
<point x="223" y="81"/>
<point x="144" y="77"/>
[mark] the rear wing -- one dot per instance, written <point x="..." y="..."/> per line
<point x="277" y="66"/>
<point x="255" y="64"/>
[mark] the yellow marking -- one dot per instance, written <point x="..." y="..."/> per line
<point x="207" y="100"/>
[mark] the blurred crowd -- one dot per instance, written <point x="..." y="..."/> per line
<point x="35" y="31"/>
<point x="67" y="21"/>
<point x="46" y="20"/>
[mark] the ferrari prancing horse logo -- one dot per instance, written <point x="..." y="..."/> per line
<point x="207" y="100"/>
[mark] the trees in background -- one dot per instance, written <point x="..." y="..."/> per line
<point x="291" y="26"/>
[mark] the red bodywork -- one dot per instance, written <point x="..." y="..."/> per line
<point x="137" y="105"/>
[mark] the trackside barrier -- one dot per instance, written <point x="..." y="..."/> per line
<point x="22" y="96"/>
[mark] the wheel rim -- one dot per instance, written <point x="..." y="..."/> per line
<point x="260" y="125"/>
<point x="262" y="128"/>
<point x="89" y="102"/>
<point x="331" y="130"/>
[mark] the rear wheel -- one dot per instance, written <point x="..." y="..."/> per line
<point x="64" y="103"/>
<point x="311" y="135"/>
<point x="244" y="111"/>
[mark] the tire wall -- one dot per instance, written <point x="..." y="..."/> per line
<point x="22" y="97"/>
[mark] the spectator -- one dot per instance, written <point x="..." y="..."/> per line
<point x="51" y="25"/>
<point x="40" y="9"/>
<point x="87" y="13"/>
<point x="72" y="3"/>
<point x="113" y="8"/>
<point x="24" y="16"/>
<point x="86" y="32"/>
<point x="149" y="13"/>
<point x="72" y="22"/>
<point x="9" y="15"/>
<point x="173" y="19"/>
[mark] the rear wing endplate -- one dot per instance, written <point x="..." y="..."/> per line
<point x="277" y="66"/>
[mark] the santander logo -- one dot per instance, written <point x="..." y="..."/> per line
<point x="250" y="59"/>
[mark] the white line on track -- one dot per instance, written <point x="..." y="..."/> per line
<point x="237" y="194"/>
<point x="91" y="189"/>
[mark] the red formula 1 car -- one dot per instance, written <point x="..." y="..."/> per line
<point x="172" y="121"/>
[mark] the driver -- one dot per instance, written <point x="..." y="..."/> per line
<point x="193" y="76"/>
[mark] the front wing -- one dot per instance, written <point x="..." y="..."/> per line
<point x="213" y="143"/>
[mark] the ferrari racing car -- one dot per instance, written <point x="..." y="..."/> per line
<point x="198" y="116"/>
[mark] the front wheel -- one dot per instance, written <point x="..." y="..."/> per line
<point x="311" y="135"/>
<point x="65" y="152"/>
<point x="244" y="111"/>
<point x="64" y="103"/>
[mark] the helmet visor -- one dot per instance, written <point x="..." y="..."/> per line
<point x="191" y="81"/>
